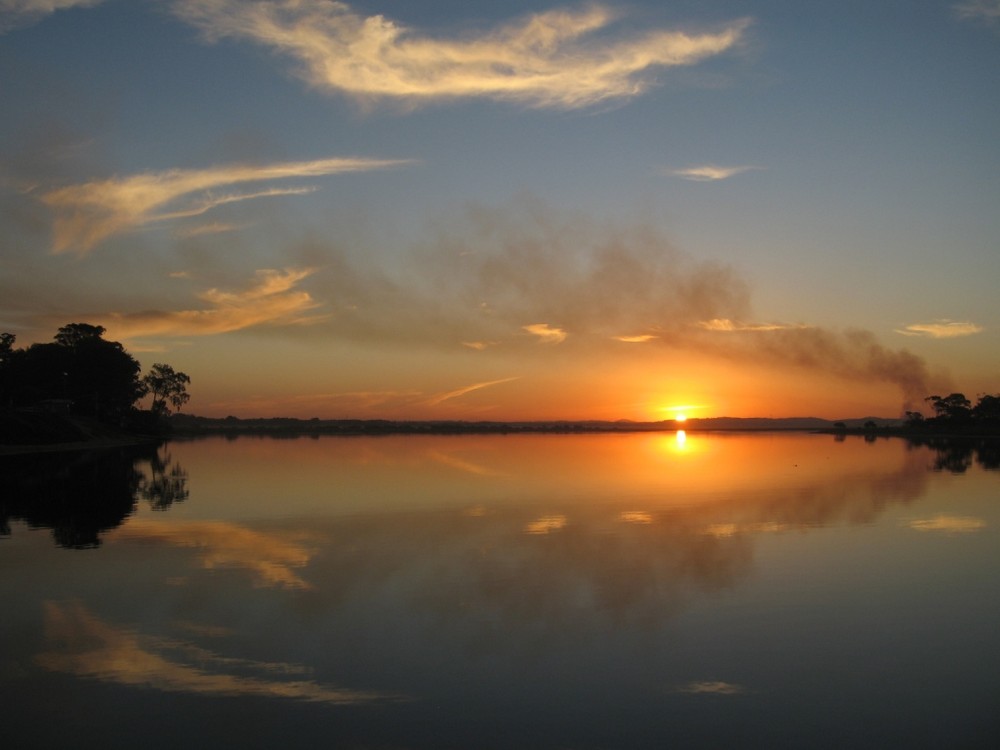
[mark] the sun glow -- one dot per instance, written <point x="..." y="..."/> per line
<point x="680" y="412"/>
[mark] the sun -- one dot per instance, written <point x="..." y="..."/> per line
<point x="679" y="411"/>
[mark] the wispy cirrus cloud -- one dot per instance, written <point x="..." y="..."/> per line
<point x="15" y="13"/>
<point x="709" y="172"/>
<point x="441" y="397"/>
<point x="557" y="58"/>
<point x="941" y="329"/>
<point x="272" y="300"/>
<point x="89" y="213"/>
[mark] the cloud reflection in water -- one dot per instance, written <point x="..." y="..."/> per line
<point x="81" y="644"/>
<point x="269" y="557"/>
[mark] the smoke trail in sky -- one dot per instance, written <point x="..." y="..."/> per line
<point x="528" y="267"/>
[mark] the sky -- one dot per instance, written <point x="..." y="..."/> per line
<point x="520" y="210"/>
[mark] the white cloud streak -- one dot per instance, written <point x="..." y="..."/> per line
<point x="709" y="173"/>
<point x="556" y="58"/>
<point x="89" y="213"/>
<point x="942" y="329"/>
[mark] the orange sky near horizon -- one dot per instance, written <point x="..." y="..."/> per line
<point x="457" y="386"/>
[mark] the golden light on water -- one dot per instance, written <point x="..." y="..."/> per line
<point x="676" y="444"/>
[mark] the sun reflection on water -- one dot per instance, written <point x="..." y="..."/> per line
<point x="676" y="443"/>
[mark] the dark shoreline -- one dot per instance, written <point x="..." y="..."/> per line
<point x="86" y="445"/>
<point x="47" y="433"/>
<point x="187" y="425"/>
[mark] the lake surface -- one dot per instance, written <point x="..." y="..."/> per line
<point x="538" y="591"/>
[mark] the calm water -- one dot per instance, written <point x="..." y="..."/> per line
<point x="594" y="591"/>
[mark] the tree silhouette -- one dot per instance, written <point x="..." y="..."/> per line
<point x="75" y="334"/>
<point x="955" y="414"/>
<point x="78" y="495"/>
<point x="92" y="376"/>
<point x="166" y="384"/>
<point x="954" y="406"/>
<point x="166" y="483"/>
<point x="988" y="407"/>
<point x="83" y="374"/>
<point x="7" y="355"/>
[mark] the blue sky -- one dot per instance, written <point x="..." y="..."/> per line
<point x="523" y="209"/>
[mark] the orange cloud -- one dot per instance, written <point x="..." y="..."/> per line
<point x="271" y="300"/>
<point x="556" y="58"/>
<point x="88" y="214"/>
